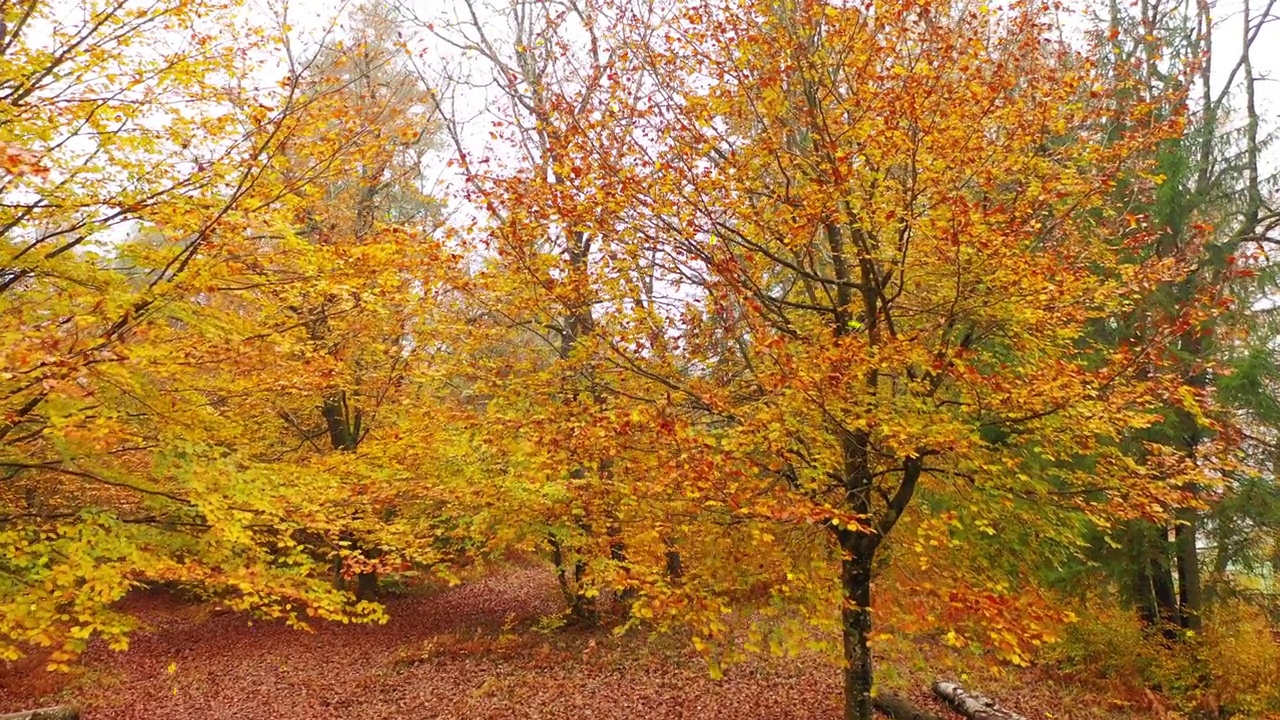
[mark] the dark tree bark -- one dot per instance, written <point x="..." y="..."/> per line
<point x="367" y="582"/>
<point x="344" y="428"/>
<point x="1221" y="559"/>
<point x="618" y="554"/>
<point x="570" y="575"/>
<point x="1162" y="584"/>
<point x="1143" y="594"/>
<point x="675" y="565"/>
<point x="1186" y="553"/>
<point x="1189" y="589"/>
<point x="1154" y="592"/>
<point x="899" y="708"/>
<point x="855" y="580"/>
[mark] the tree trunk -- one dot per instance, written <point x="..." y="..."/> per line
<point x="583" y="608"/>
<point x="900" y="709"/>
<point x="366" y="581"/>
<point x="855" y="580"/>
<point x="971" y="704"/>
<point x="344" y="436"/>
<point x="570" y="574"/>
<point x="562" y="574"/>
<point x="58" y="712"/>
<point x="1154" y="591"/>
<point x="1143" y="595"/>
<point x="1188" y="569"/>
<point x="344" y="430"/>
<point x="1221" y="560"/>
<point x="1162" y="584"/>
<point x="1186" y="529"/>
<point x="675" y="565"/>
<point x="367" y="585"/>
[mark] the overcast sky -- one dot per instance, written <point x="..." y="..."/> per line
<point x="480" y="107"/>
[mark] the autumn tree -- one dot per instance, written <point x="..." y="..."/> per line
<point x="545" y="64"/>
<point x="154" y="164"/>
<point x="370" y="216"/>
<point x="883" y="235"/>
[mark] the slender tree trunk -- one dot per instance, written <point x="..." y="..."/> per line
<point x="1221" y="561"/>
<point x="367" y="581"/>
<point x="338" y="422"/>
<point x="855" y="580"/>
<point x="1186" y="554"/>
<point x="1189" y="591"/>
<point x="344" y="429"/>
<point x="584" y="607"/>
<point x="617" y="548"/>
<point x="1143" y="593"/>
<point x="1162" y="584"/>
<point x="623" y="592"/>
<point x="367" y="585"/>
<point x="1153" y="588"/>
<point x="571" y="576"/>
<point x="675" y="565"/>
<point x="562" y="572"/>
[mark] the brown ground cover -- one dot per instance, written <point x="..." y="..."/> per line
<point x="465" y="652"/>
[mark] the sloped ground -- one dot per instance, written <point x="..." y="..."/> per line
<point x="466" y="652"/>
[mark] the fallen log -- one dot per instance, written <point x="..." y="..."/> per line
<point x="900" y="708"/>
<point x="58" y="712"/>
<point x="972" y="705"/>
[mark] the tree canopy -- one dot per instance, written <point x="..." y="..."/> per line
<point x="747" y="315"/>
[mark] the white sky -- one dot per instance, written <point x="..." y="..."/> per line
<point x="479" y="107"/>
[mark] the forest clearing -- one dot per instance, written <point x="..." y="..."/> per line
<point x="475" y="652"/>
<point x="639" y="358"/>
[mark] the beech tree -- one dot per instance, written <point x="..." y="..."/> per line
<point x="543" y="82"/>
<point x="758" y="277"/>
<point x="150" y="250"/>
<point x="883" y="234"/>
<point x="369" y="216"/>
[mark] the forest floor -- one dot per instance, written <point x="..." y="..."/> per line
<point x="465" y="652"/>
